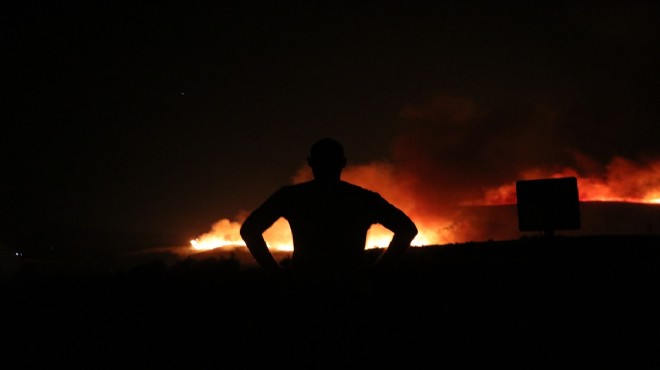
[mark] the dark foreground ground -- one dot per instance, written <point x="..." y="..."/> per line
<point x="579" y="302"/>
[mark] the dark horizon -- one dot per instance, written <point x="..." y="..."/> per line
<point x="634" y="219"/>
<point x="535" y="302"/>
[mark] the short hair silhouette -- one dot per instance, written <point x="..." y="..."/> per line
<point x="327" y="159"/>
<point x="329" y="219"/>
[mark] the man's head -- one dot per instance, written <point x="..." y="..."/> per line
<point x="327" y="159"/>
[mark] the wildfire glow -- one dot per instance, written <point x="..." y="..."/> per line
<point x="225" y="234"/>
<point x="622" y="181"/>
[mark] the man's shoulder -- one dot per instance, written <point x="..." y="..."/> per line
<point x="341" y="186"/>
<point x="354" y="187"/>
<point x="291" y="189"/>
<point x="360" y="191"/>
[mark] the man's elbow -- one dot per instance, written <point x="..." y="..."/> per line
<point x="412" y="231"/>
<point x="409" y="231"/>
<point x="248" y="232"/>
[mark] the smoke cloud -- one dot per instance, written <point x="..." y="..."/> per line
<point x="454" y="165"/>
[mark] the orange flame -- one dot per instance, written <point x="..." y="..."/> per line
<point x="623" y="181"/>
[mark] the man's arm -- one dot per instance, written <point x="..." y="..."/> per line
<point x="404" y="230"/>
<point x="252" y="233"/>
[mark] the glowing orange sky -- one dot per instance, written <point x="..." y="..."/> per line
<point x="624" y="181"/>
<point x="452" y="156"/>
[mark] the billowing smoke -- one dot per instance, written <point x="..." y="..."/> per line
<point x="457" y="152"/>
<point x="454" y="165"/>
<point x="452" y="158"/>
<point x="456" y="156"/>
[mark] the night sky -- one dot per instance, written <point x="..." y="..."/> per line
<point x="161" y="118"/>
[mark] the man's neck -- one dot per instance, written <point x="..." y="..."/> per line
<point x="327" y="180"/>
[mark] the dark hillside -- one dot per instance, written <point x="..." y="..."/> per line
<point x="532" y="303"/>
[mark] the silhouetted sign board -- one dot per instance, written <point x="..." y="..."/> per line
<point x="548" y="204"/>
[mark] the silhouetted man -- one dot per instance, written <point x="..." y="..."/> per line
<point x="329" y="219"/>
